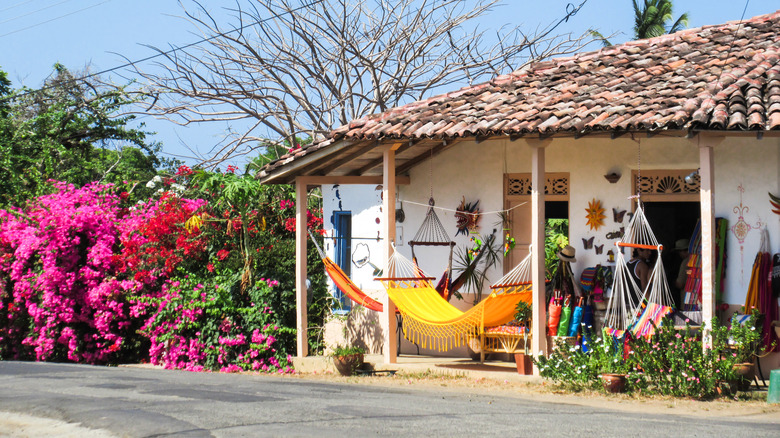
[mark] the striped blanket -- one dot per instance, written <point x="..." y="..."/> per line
<point x="653" y="314"/>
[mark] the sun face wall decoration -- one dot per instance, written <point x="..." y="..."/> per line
<point x="595" y="214"/>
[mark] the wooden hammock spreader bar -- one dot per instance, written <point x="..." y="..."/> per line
<point x="637" y="245"/>
<point x="499" y="286"/>
<point x="403" y="278"/>
<point x="413" y="242"/>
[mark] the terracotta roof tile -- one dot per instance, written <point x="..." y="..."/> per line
<point x="724" y="77"/>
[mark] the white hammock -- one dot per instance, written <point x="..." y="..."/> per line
<point x="622" y="311"/>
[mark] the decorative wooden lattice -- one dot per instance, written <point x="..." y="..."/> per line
<point x="519" y="184"/>
<point x="667" y="183"/>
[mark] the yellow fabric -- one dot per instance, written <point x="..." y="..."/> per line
<point x="432" y="322"/>
<point x="751" y="300"/>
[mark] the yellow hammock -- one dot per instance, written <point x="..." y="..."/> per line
<point x="432" y="322"/>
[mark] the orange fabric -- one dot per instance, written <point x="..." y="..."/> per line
<point x="554" y="317"/>
<point x="349" y="288"/>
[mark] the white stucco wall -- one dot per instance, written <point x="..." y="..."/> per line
<point x="476" y="172"/>
<point x="365" y="204"/>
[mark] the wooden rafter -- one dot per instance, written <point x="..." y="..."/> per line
<point x="423" y="156"/>
<point x="377" y="162"/>
<point x="358" y="152"/>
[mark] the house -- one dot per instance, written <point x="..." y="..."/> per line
<point x="703" y="102"/>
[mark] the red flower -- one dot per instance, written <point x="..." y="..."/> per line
<point x="223" y="254"/>
<point x="210" y="267"/>
<point x="124" y="195"/>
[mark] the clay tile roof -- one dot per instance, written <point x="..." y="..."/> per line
<point x="723" y="77"/>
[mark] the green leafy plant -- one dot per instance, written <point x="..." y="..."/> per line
<point x="606" y="357"/>
<point x="523" y="313"/>
<point x="744" y="340"/>
<point x="487" y="252"/>
<point x="348" y="350"/>
<point x="556" y="236"/>
<point x="672" y="362"/>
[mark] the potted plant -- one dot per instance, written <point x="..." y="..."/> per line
<point x="347" y="360"/>
<point x="523" y="313"/>
<point x="744" y="344"/>
<point x="607" y="358"/>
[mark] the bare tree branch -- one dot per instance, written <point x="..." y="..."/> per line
<point x="291" y="70"/>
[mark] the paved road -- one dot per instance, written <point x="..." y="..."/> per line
<point x="143" y="402"/>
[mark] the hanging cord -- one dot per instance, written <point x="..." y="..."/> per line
<point x="431" y="177"/>
<point x="483" y="213"/>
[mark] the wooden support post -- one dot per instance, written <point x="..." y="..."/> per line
<point x="388" y="206"/>
<point x="539" y="333"/>
<point x="706" y="172"/>
<point x="300" y="268"/>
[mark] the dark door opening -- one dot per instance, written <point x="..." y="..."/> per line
<point x="671" y="221"/>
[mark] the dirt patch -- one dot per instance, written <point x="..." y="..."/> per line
<point x="747" y="406"/>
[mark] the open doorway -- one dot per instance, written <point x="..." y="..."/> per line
<point x="672" y="221"/>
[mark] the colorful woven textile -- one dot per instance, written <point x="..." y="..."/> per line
<point x="349" y="288"/>
<point x="587" y="279"/>
<point x="652" y="315"/>
<point x="563" y="325"/>
<point x="615" y="333"/>
<point x="431" y="322"/>
<point x="576" y="320"/>
<point x="553" y="317"/>
<point x="505" y="329"/>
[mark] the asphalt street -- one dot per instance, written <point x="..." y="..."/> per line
<point x="146" y="402"/>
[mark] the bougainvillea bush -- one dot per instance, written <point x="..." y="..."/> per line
<point x="185" y="279"/>
<point x="195" y="326"/>
<point x="61" y="299"/>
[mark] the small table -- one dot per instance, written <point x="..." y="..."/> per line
<point x="502" y="339"/>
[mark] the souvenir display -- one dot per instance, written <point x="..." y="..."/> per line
<point x="595" y="214"/>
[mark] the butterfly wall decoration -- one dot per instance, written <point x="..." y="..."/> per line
<point x="618" y="215"/>
<point x="588" y="243"/>
<point x="599" y="248"/>
<point x="616" y="234"/>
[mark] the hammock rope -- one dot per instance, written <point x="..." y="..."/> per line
<point x="622" y="311"/>
<point x="433" y="233"/>
<point x="432" y="322"/>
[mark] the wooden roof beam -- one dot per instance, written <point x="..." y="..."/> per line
<point x="378" y="162"/>
<point x="424" y="156"/>
<point x="348" y="157"/>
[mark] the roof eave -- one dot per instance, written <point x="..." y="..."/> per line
<point x="286" y="173"/>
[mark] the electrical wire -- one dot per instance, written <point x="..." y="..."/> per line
<point x="34" y="12"/>
<point x="13" y="6"/>
<point x="54" y="19"/>
<point x="157" y="55"/>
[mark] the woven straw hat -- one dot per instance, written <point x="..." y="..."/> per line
<point x="567" y="254"/>
<point x="681" y="245"/>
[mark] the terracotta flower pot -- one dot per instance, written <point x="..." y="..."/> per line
<point x="349" y="364"/>
<point x="745" y="374"/>
<point x="614" y="383"/>
<point x="524" y="364"/>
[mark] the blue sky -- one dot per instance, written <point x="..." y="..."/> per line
<point x="34" y="34"/>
